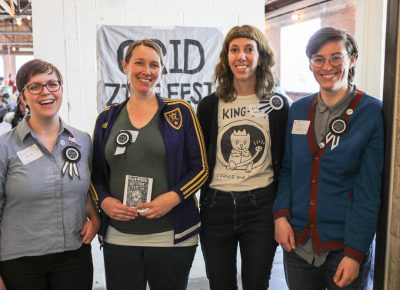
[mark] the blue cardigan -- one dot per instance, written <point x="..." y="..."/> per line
<point x="187" y="168"/>
<point x="333" y="195"/>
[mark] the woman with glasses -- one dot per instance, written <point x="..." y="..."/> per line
<point x="244" y="125"/>
<point x="47" y="218"/>
<point x="328" y="199"/>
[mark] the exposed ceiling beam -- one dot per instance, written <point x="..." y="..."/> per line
<point x="27" y="43"/>
<point x="16" y="32"/>
<point x="274" y="5"/>
<point x="7" y="7"/>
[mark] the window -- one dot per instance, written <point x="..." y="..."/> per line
<point x="295" y="73"/>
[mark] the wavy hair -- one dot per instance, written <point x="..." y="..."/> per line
<point x="223" y="76"/>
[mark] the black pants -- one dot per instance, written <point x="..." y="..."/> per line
<point x="70" y="270"/>
<point x="129" y="268"/>
<point x="244" y="219"/>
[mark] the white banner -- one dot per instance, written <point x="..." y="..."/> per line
<point x="190" y="56"/>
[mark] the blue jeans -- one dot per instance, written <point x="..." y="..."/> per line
<point x="230" y="219"/>
<point x="164" y="268"/>
<point x="59" y="271"/>
<point x="302" y="276"/>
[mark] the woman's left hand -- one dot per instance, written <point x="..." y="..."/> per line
<point x="160" y="206"/>
<point x="89" y="230"/>
<point x="346" y="272"/>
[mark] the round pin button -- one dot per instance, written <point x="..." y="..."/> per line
<point x="338" y="126"/>
<point x="276" y="102"/>
<point x="72" y="154"/>
<point x="123" y="138"/>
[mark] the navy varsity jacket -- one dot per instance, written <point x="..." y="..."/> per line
<point x="187" y="168"/>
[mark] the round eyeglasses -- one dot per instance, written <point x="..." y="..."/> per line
<point x="318" y="61"/>
<point x="37" y="88"/>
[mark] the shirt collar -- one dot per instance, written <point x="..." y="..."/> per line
<point x="340" y="106"/>
<point x="23" y="129"/>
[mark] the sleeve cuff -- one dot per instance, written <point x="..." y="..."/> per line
<point x="281" y="213"/>
<point x="354" y="254"/>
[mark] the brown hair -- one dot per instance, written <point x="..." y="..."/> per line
<point x="32" y="68"/>
<point x="327" y="34"/>
<point x="223" y="76"/>
<point x="145" y="42"/>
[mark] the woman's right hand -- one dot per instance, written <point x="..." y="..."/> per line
<point x="284" y="234"/>
<point x="118" y="211"/>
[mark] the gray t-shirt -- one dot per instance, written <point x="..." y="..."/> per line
<point x="145" y="157"/>
<point x="42" y="210"/>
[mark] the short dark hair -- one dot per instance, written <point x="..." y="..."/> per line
<point x="32" y="68"/>
<point x="327" y="34"/>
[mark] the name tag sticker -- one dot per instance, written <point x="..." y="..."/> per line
<point x="29" y="154"/>
<point x="300" y="127"/>
<point x="134" y="135"/>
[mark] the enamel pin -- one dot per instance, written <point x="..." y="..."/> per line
<point x="336" y="128"/>
<point x="273" y="103"/>
<point x="71" y="155"/>
<point x="123" y="138"/>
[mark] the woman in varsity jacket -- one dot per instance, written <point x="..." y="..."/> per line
<point x="149" y="160"/>
<point x="244" y="125"/>
<point x="328" y="199"/>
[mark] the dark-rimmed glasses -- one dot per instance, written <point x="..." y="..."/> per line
<point x="37" y="88"/>
<point x="318" y="61"/>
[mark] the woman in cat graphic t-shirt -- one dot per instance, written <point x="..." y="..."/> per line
<point x="244" y="125"/>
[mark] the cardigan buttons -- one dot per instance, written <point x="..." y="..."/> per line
<point x="313" y="180"/>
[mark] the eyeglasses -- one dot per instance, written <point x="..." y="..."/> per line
<point x="37" y="88"/>
<point x="318" y="61"/>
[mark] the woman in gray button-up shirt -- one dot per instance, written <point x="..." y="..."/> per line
<point x="47" y="220"/>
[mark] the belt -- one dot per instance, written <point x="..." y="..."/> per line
<point x="238" y="194"/>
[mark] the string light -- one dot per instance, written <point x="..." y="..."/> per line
<point x="295" y="17"/>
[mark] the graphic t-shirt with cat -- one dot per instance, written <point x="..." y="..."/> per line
<point x="244" y="159"/>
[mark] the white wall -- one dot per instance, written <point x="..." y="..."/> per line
<point x="64" y="33"/>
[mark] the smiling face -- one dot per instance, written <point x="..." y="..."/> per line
<point x="46" y="104"/>
<point x="143" y="70"/>
<point x="243" y="58"/>
<point x="333" y="78"/>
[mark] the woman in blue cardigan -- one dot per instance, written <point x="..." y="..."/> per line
<point x="328" y="199"/>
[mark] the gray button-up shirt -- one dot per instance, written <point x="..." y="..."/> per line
<point x="41" y="210"/>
